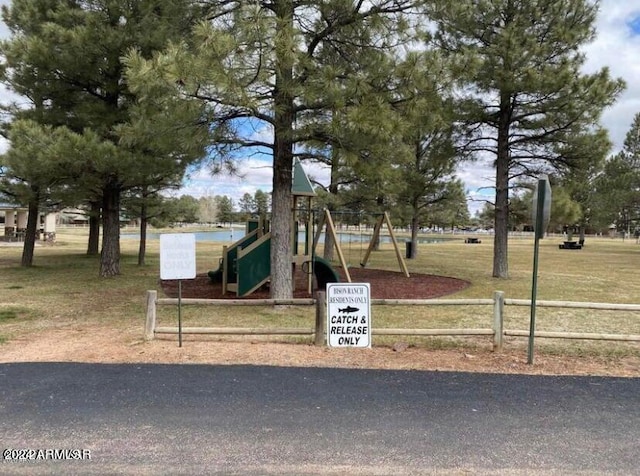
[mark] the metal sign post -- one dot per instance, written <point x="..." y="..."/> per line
<point x="179" y="312"/>
<point x="178" y="261"/>
<point x="541" y="216"/>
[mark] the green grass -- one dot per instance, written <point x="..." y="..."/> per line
<point x="63" y="290"/>
<point x="8" y="314"/>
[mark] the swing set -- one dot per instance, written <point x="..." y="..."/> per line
<point x="326" y="222"/>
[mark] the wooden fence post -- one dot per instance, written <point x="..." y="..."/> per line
<point x="321" y="317"/>
<point x="498" y="319"/>
<point x="150" y="324"/>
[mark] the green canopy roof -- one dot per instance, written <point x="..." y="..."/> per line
<point x="301" y="184"/>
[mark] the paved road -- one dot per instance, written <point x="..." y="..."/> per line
<point x="197" y="419"/>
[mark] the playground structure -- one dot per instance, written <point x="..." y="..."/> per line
<point x="245" y="265"/>
<point x="326" y="220"/>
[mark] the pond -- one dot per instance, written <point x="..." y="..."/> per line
<point x="229" y="236"/>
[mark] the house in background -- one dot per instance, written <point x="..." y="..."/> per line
<point x="73" y="217"/>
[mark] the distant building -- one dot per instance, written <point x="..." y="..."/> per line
<point x="14" y="218"/>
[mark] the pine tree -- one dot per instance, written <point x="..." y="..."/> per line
<point x="274" y="62"/>
<point x="263" y="205"/>
<point x="588" y="154"/>
<point x="427" y="180"/>
<point x="225" y="207"/>
<point x="37" y="170"/>
<point x="631" y="147"/>
<point x="65" y="59"/>
<point x="519" y="63"/>
<point x="247" y="206"/>
<point x="618" y="187"/>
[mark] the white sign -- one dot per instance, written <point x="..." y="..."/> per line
<point x="348" y="315"/>
<point x="178" y="256"/>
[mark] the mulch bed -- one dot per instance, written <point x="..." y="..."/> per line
<point x="384" y="285"/>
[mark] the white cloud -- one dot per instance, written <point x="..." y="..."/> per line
<point x="616" y="46"/>
<point x="479" y="180"/>
<point x="255" y="174"/>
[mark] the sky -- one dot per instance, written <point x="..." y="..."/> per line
<point x="617" y="46"/>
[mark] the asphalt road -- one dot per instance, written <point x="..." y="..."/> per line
<point x="200" y="419"/>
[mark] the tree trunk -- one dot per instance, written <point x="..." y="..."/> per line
<point x="142" y="249"/>
<point x="30" y="234"/>
<point x="414" y="238"/>
<point x="501" y="225"/>
<point x="284" y="116"/>
<point x="110" y="256"/>
<point x="281" y="253"/>
<point x="93" y="244"/>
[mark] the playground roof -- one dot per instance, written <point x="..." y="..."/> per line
<point x="301" y="183"/>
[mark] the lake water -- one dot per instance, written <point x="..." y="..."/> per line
<point x="226" y="236"/>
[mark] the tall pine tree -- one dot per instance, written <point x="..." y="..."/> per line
<point x="274" y="63"/>
<point x="65" y="58"/>
<point x="519" y="65"/>
<point x="617" y="189"/>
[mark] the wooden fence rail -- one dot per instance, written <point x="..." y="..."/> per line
<point x="497" y="331"/>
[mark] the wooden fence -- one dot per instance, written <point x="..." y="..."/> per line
<point x="496" y="331"/>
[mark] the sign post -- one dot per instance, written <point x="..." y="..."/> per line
<point x="349" y="315"/>
<point x="541" y="215"/>
<point x="178" y="261"/>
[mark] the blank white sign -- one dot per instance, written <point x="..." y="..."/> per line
<point x="178" y="256"/>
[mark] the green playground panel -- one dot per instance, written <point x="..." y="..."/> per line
<point x="254" y="268"/>
<point x="232" y="255"/>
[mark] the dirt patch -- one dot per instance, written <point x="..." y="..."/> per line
<point x="384" y="285"/>
<point x="84" y="342"/>
<point x="108" y="345"/>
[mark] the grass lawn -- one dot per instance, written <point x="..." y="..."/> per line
<point x="63" y="291"/>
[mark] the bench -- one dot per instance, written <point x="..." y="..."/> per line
<point x="472" y="240"/>
<point x="571" y="245"/>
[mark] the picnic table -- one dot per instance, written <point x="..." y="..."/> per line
<point x="571" y="245"/>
